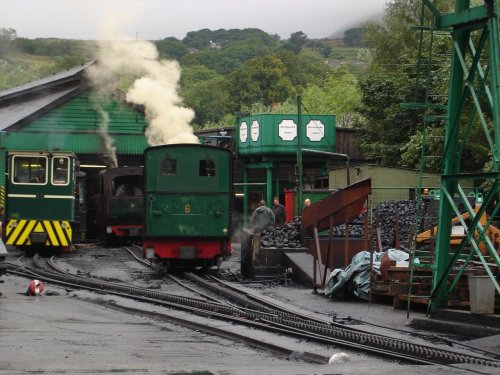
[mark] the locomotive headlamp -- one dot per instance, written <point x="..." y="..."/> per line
<point x="224" y="231"/>
<point x="14" y="224"/>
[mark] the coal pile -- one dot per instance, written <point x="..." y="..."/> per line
<point x="287" y="236"/>
<point x="356" y="228"/>
<point x="384" y="216"/>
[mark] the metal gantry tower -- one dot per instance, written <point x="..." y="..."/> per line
<point x="473" y="101"/>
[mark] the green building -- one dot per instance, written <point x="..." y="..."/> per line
<point x="388" y="183"/>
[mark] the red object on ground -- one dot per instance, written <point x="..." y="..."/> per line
<point x="35" y="288"/>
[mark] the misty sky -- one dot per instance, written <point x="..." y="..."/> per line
<point x="157" y="19"/>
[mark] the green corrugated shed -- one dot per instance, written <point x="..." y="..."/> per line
<point x="80" y="143"/>
<point x="74" y="126"/>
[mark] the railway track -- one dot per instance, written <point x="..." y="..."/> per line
<point x="235" y="306"/>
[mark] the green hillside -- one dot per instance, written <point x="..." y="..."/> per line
<point x="23" y="60"/>
<point x="223" y="71"/>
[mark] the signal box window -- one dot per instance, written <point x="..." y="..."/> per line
<point x="60" y="171"/>
<point x="29" y="170"/>
<point x="168" y="167"/>
<point x="207" y="168"/>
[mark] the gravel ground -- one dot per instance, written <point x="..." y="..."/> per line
<point x="79" y="332"/>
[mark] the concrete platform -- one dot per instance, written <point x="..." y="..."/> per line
<point x="460" y="322"/>
<point x="302" y="264"/>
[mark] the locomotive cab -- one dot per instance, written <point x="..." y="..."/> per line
<point x="188" y="207"/>
<point x="120" y="205"/>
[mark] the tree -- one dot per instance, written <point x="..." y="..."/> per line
<point x="354" y="36"/>
<point x="209" y="99"/>
<point x="171" y="48"/>
<point x="303" y="69"/>
<point x="297" y="40"/>
<point x="322" y="49"/>
<point x="390" y="80"/>
<point x="387" y="127"/>
<point x="201" y="39"/>
<point x="7" y="35"/>
<point x="262" y="79"/>
<point x="338" y="95"/>
<point x="194" y="74"/>
<point x="226" y="59"/>
<point x="197" y="39"/>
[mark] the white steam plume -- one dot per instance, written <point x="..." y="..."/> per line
<point x="98" y="99"/>
<point x="109" y="142"/>
<point x="155" y="87"/>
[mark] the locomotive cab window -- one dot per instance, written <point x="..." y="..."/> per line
<point x="127" y="186"/>
<point x="29" y="170"/>
<point x="168" y="167"/>
<point x="207" y="168"/>
<point x="60" y="171"/>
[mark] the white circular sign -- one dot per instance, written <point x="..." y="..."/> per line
<point x="287" y="130"/>
<point x="315" y="130"/>
<point x="243" y="132"/>
<point x="255" y="130"/>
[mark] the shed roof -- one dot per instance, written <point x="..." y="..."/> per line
<point x="55" y="113"/>
<point x="26" y="102"/>
<point x="15" y="112"/>
<point x="43" y="83"/>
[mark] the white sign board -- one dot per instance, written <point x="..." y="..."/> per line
<point x="315" y="130"/>
<point x="287" y="130"/>
<point x="255" y="130"/>
<point x="243" y="132"/>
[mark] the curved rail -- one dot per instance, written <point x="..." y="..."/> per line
<point x="283" y="322"/>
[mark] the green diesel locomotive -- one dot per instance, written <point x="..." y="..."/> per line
<point x="42" y="199"/>
<point x="188" y="200"/>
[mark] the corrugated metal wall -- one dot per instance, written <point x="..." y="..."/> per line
<point x="75" y="126"/>
<point x="83" y="143"/>
<point x="82" y="115"/>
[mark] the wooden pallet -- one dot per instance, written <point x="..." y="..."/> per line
<point x="393" y="285"/>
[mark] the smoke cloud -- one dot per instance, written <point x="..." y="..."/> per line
<point x="109" y="142"/>
<point x="155" y="83"/>
<point x="99" y="98"/>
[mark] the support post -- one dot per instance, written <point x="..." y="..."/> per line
<point x="245" y="196"/>
<point x="451" y="161"/>
<point x="319" y="261"/>
<point x="269" y="187"/>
